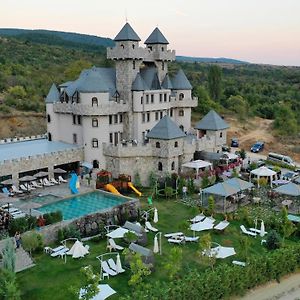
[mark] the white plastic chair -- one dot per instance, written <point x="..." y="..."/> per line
<point x="150" y="227"/>
<point x="105" y="267"/>
<point x="16" y="190"/>
<point x="60" y="179"/>
<point x="245" y="231"/>
<point x="113" y="246"/>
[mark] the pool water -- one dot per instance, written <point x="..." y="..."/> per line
<point x="84" y="204"/>
<point x="44" y="198"/>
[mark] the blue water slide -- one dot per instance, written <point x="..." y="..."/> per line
<point x="72" y="184"/>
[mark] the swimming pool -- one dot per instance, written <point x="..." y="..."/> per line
<point x="84" y="204"/>
<point x="44" y="198"/>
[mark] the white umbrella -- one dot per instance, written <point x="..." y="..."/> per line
<point x="222" y="252"/>
<point x="59" y="171"/>
<point x="262" y="228"/>
<point x="155" y="248"/>
<point x="105" y="291"/>
<point x="119" y="265"/>
<point x="117" y="233"/>
<point x="198" y="218"/>
<point x="78" y="250"/>
<point x="27" y="178"/>
<point x="205" y="225"/>
<point x="155" y="219"/>
<point x="41" y="174"/>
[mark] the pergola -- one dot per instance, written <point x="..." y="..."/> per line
<point x="197" y="164"/>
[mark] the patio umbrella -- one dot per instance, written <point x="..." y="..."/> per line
<point x="155" y="219"/>
<point x="105" y="291"/>
<point x="7" y="182"/>
<point x="27" y="178"/>
<point x="222" y="252"/>
<point x="205" y="225"/>
<point x="78" y="250"/>
<point x="262" y="229"/>
<point x="41" y="174"/>
<point x="155" y="248"/>
<point x="117" y="233"/>
<point x="59" y="171"/>
<point x="118" y="264"/>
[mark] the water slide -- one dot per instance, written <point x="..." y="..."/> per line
<point x="134" y="189"/>
<point x="109" y="187"/>
<point x="72" y="184"/>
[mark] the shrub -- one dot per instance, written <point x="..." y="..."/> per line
<point x="53" y="217"/>
<point x="9" y="256"/>
<point x="32" y="241"/>
<point x="20" y="225"/>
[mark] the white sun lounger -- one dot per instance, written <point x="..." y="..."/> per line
<point x="16" y="190"/>
<point x="107" y="269"/>
<point x="19" y="215"/>
<point x="191" y="238"/>
<point x="113" y="246"/>
<point x="173" y="235"/>
<point x="150" y="227"/>
<point x="27" y="185"/>
<point x="47" y="182"/>
<point x="11" y="209"/>
<point x="53" y="180"/>
<point x="36" y="185"/>
<point x="255" y="230"/>
<point x="222" y="225"/>
<point x="60" y="179"/>
<point x="239" y="263"/>
<point x="61" y="252"/>
<point x="245" y="231"/>
<point x="176" y="241"/>
<point x="44" y="183"/>
<point x="113" y="266"/>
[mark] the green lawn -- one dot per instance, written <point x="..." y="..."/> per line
<point x="51" y="277"/>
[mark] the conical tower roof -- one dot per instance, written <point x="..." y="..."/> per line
<point x="53" y="95"/>
<point x="127" y="34"/>
<point x="167" y="84"/>
<point x="180" y="82"/>
<point x="166" y="129"/>
<point x="212" y="121"/>
<point x="156" y="37"/>
<point x="139" y="84"/>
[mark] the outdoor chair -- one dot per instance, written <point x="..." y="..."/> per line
<point x="176" y="241"/>
<point x="60" y="253"/>
<point x="150" y="227"/>
<point x="60" y="179"/>
<point x="245" y="231"/>
<point x="30" y="188"/>
<point x="113" y="246"/>
<point x="105" y="267"/>
<point x="24" y="188"/>
<point x="36" y="185"/>
<point x="16" y="190"/>
<point x="173" y="235"/>
<point x="191" y="238"/>
<point x="257" y="231"/>
<point x="239" y="263"/>
<point x="53" y="180"/>
<point x="47" y="182"/>
<point x="113" y="266"/>
<point x="222" y="225"/>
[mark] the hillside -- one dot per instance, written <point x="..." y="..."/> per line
<point x="222" y="60"/>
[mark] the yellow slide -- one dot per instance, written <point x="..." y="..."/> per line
<point x="109" y="187"/>
<point x="134" y="189"/>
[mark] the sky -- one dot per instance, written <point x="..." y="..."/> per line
<point x="258" y="31"/>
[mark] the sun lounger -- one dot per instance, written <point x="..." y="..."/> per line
<point x="239" y="263"/>
<point x="60" y="179"/>
<point x="255" y="230"/>
<point x="10" y="209"/>
<point x="57" y="248"/>
<point x="150" y="227"/>
<point x="176" y="241"/>
<point x="27" y="185"/>
<point x="113" y="246"/>
<point x="36" y="185"/>
<point x="245" y="231"/>
<point x="61" y="252"/>
<point x="16" y="190"/>
<point x="19" y="215"/>
<point x="107" y="269"/>
<point x="113" y="266"/>
<point x="47" y="182"/>
<point x="173" y="235"/>
<point x="191" y="238"/>
<point x="53" y="180"/>
<point x="222" y="225"/>
<point x="24" y="188"/>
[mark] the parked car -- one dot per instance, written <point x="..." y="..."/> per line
<point x="258" y="146"/>
<point x="225" y="148"/>
<point x="290" y="176"/>
<point x="234" y="142"/>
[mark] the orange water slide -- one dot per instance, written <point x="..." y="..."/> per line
<point x="134" y="189"/>
<point x="109" y="187"/>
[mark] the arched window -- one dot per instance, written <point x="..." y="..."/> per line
<point x="94" y="101"/>
<point x="181" y="127"/>
<point x="49" y="137"/>
<point x="176" y="144"/>
<point x="157" y="145"/>
<point x="221" y="134"/>
<point x="181" y="96"/>
<point x="95" y="122"/>
<point x="94" y="143"/>
<point x="133" y="46"/>
<point x="173" y="166"/>
<point x="122" y="46"/>
<point x="181" y="113"/>
<point x="95" y="164"/>
<point x="48" y="118"/>
<point x="160" y="166"/>
<point x="162" y="65"/>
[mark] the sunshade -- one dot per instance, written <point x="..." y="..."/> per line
<point x="197" y="218"/>
<point x="204" y="225"/>
<point x="41" y="174"/>
<point x="105" y="291"/>
<point x="262" y="229"/>
<point x="290" y="189"/>
<point x="7" y="181"/>
<point x="263" y="171"/>
<point x="117" y="233"/>
<point x="155" y="219"/>
<point x="118" y="264"/>
<point x="78" y="250"/>
<point x="155" y="248"/>
<point x="239" y="183"/>
<point x="59" y="171"/>
<point x="222" y="252"/>
<point x="222" y="189"/>
<point x="27" y="178"/>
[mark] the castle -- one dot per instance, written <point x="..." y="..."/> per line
<point x="133" y="118"/>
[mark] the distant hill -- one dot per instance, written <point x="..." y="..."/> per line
<point x="222" y="60"/>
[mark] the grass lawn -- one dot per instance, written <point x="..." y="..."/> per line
<point x="51" y="278"/>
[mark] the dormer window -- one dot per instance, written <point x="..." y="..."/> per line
<point x="122" y="46"/>
<point x="133" y="46"/>
<point x="94" y="101"/>
<point x="181" y="96"/>
<point x="157" y="144"/>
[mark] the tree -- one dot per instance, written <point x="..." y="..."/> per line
<point x="138" y="270"/>
<point x="245" y="244"/>
<point x="285" y="121"/>
<point x="287" y="227"/>
<point x="215" y="82"/>
<point x="211" y="204"/>
<point x="273" y="240"/>
<point x="9" y="256"/>
<point x="137" y="180"/>
<point x="168" y="192"/>
<point x="173" y="262"/>
<point x="204" y="252"/>
<point x="31" y="241"/>
<point x="75" y="67"/>
<point x="238" y="105"/>
<point x="8" y="286"/>
<point x="205" y="104"/>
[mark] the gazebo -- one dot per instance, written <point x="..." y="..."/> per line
<point x="290" y="189"/>
<point x="197" y="164"/>
<point x="262" y="172"/>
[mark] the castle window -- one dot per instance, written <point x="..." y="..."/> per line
<point x="116" y="119"/>
<point x="122" y="46"/>
<point x="110" y="119"/>
<point x="181" y="127"/>
<point x="48" y="118"/>
<point x="95" y="123"/>
<point x="148" y="117"/>
<point x="94" y="143"/>
<point x="95" y="164"/>
<point x="176" y="144"/>
<point x="165" y="97"/>
<point x="162" y="49"/>
<point x="181" y="113"/>
<point x="62" y="97"/>
<point x="161" y="114"/>
<point x="111" y="138"/>
<point x="152" y="98"/>
<point x="171" y="112"/>
<point x="133" y="46"/>
<point x="143" y="118"/>
<point x="121" y="118"/>
<point x="156" y="115"/>
<point x="94" y="101"/>
<point x="133" y="65"/>
<point x="74" y="119"/>
<point x="49" y="137"/>
<point x="181" y="96"/>
<point x="79" y="120"/>
<point x="163" y="65"/>
<point x="74" y="138"/>
<point x="173" y="166"/>
<point x="142" y="100"/>
<point x="150" y="48"/>
<point x="221" y="134"/>
<point x="147" y="99"/>
<point x="160" y="97"/>
<point x="160" y="166"/>
<point x="157" y="144"/>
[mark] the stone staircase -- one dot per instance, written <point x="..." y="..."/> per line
<point x="23" y="259"/>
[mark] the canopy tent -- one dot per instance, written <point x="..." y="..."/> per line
<point x="239" y="183"/>
<point x="78" y="250"/>
<point x="146" y="254"/>
<point x="105" y="291"/>
<point x="197" y="164"/>
<point x="41" y="174"/>
<point x="262" y="172"/>
<point x="290" y="189"/>
<point x="117" y="233"/>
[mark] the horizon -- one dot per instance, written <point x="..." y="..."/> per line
<point x="255" y="32"/>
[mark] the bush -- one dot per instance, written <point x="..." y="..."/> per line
<point x="20" y="225"/>
<point x="32" y="241"/>
<point x="68" y="232"/>
<point x="53" y="217"/>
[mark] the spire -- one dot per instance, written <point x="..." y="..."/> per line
<point x="127" y="34"/>
<point x="211" y="121"/>
<point x="180" y="82"/>
<point x="156" y="37"/>
<point x="167" y="84"/>
<point x="53" y="95"/>
<point x="139" y="84"/>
